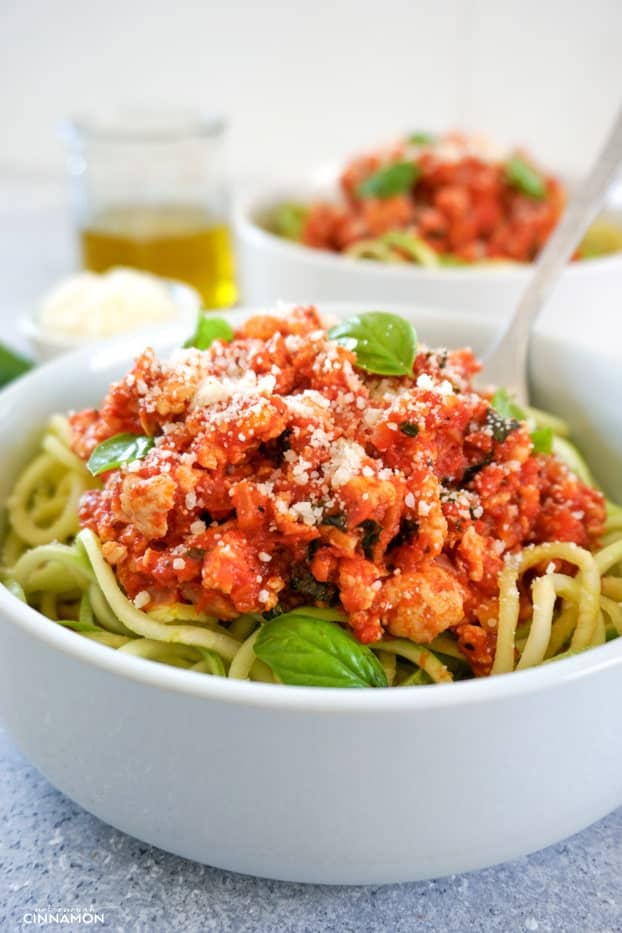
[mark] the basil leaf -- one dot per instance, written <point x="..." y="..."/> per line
<point x="208" y="330"/>
<point x="389" y="180"/>
<point x="475" y="468"/>
<point x="409" y="428"/>
<point x="421" y="139"/>
<point x="542" y="440"/>
<point x="310" y="652"/>
<point x="503" y="403"/>
<point x="384" y="343"/>
<point x="500" y="426"/>
<point x="118" y="450"/>
<point x="12" y="365"/>
<point x="337" y="520"/>
<point x="303" y="581"/>
<point x="408" y="529"/>
<point x="522" y="176"/>
<point x="371" y="533"/>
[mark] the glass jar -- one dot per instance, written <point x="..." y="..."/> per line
<point x="151" y="192"/>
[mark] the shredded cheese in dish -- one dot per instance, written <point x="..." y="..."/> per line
<point x="101" y="305"/>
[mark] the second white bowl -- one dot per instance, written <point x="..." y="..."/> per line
<point x="272" y="268"/>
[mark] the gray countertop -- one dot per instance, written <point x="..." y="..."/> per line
<point x="55" y="855"/>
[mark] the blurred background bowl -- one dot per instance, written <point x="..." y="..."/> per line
<point x="273" y="268"/>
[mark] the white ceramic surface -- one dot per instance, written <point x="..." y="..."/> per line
<point x="307" y="784"/>
<point x="272" y="268"/>
<point x="46" y="344"/>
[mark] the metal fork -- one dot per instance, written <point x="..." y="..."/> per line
<point x="506" y="362"/>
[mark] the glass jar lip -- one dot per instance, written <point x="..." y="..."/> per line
<point x="137" y="127"/>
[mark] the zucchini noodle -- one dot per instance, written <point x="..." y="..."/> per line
<point x="48" y="562"/>
<point x="419" y="655"/>
<point x="398" y="246"/>
<point x="139" y="622"/>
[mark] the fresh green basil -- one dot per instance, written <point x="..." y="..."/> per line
<point x="384" y="343"/>
<point x="542" y="440"/>
<point x="12" y="365"/>
<point x="409" y="428"/>
<point x="472" y="471"/>
<point x="371" y="533"/>
<point x="208" y="330"/>
<point x="389" y="180"/>
<point x="118" y="450"/>
<point x="504" y="404"/>
<point x="303" y="581"/>
<point x="337" y="520"/>
<point x="500" y="426"/>
<point x="522" y="176"/>
<point x="420" y="138"/>
<point x="311" y="652"/>
<point x="408" y="529"/>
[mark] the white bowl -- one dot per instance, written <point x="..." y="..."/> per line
<point x="272" y="268"/>
<point x="306" y="784"/>
<point x="46" y="344"/>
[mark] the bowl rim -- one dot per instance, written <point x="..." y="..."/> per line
<point x="102" y="356"/>
<point x="247" y="228"/>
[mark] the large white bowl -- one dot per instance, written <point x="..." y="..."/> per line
<point x="272" y="268"/>
<point x="305" y="784"/>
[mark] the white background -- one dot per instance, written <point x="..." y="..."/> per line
<point x="303" y="82"/>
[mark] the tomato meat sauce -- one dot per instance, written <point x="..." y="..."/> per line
<point x="284" y="475"/>
<point x="464" y="202"/>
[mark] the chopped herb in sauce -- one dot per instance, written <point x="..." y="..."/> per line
<point x="371" y="534"/>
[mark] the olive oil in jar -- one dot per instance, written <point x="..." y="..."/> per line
<point x="174" y="241"/>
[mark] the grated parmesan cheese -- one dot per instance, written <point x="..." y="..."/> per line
<point x="214" y="389"/>
<point x="345" y="462"/>
<point x="142" y="599"/>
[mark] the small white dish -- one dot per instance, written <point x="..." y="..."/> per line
<point x="47" y="344"/>
<point x="313" y="784"/>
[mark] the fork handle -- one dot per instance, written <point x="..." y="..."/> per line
<point x="506" y="361"/>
